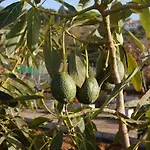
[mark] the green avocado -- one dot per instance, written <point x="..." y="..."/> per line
<point x="63" y="87"/>
<point x="89" y="92"/>
<point x="121" y="72"/>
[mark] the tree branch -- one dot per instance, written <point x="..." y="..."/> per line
<point x="126" y="6"/>
<point x="68" y="16"/>
<point x="116" y="78"/>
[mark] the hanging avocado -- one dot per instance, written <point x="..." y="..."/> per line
<point x="63" y="87"/>
<point x="121" y="72"/>
<point x="89" y="92"/>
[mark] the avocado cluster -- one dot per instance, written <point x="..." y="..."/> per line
<point x="64" y="89"/>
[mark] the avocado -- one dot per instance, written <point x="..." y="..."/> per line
<point x="89" y="91"/>
<point x="121" y="72"/>
<point x="63" y="87"/>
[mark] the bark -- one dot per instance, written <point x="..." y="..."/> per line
<point x="120" y="98"/>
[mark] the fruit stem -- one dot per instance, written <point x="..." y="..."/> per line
<point x="64" y="52"/>
<point x="70" y="126"/>
<point x="87" y="63"/>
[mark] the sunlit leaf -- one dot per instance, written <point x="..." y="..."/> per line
<point x="14" y="36"/>
<point x="33" y="28"/>
<point x="81" y="125"/>
<point x="140" y="1"/>
<point x="145" y="21"/>
<point x="119" y="37"/>
<point x="144" y="100"/>
<point x="134" y="146"/>
<point x="10" y="13"/>
<point x="83" y="3"/>
<point x="137" y="79"/>
<point x="89" y="22"/>
<point x="87" y="15"/>
<point x="57" y="141"/>
<point x="88" y="18"/>
<point x="137" y="41"/>
<point x="2" y="139"/>
<point x="147" y="144"/>
<point x="25" y="85"/>
<point x="77" y="68"/>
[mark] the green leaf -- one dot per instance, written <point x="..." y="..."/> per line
<point x="25" y="98"/>
<point x="134" y="146"/>
<point x="81" y="125"/>
<point x="145" y="21"/>
<point x="119" y="37"/>
<point x="35" y="123"/>
<point x="25" y="85"/>
<point x="116" y="90"/>
<point x="119" y="17"/>
<point x="77" y="68"/>
<point x="21" y="130"/>
<point x="10" y="75"/>
<point x="10" y="13"/>
<point x="14" y="36"/>
<point x="137" y="41"/>
<point x="107" y="1"/>
<point x="87" y="16"/>
<point x="58" y="106"/>
<point x="140" y="1"/>
<point x="70" y="7"/>
<point x="33" y="28"/>
<point x="2" y="139"/>
<point x="89" y="22"/>
<point x="147" y="144"/>
<point x="14" y="142"/>
<point x="85" y="145"/>
<point x="102" y="70"/>
<point x="57" y="141"/>
<point x="137" y="79"/>
<point x="83" y="3"/>
<point x="117" y="137"/>
<point x="53" y="56"/>
<point x="134" y="103"/>
<point x="142" y="101"/>
<point x="89" y="140"/>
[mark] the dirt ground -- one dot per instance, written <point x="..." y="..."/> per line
<point x="103" y="145"/>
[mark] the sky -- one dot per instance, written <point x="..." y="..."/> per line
<point x="55" y="5"/>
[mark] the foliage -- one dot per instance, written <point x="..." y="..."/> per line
<point x="39" y="34"/>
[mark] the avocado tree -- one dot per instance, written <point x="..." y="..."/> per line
<point x="36" y="34"/>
